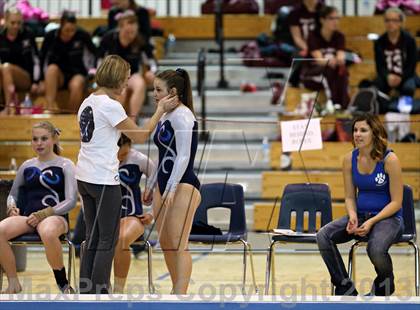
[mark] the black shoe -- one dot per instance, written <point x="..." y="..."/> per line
<point x="346" y="289"/>
<point x="380" y="287"/>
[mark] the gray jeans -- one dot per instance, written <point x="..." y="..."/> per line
<point x="382" y="235"/>
<point x="102" y="209"/>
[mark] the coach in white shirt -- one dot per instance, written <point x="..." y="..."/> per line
<point x="101" y="119"/>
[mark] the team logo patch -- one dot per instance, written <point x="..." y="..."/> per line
<point x="380" y="178"/>
<point x="86" y="124"/>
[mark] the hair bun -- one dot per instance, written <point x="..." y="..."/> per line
<point x="180" y="72"/>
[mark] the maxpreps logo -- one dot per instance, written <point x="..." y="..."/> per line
<point x="380" y="179"/>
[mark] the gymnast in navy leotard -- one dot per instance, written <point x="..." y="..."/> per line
<point x="177" y="194"/>
<point x="133" y="164"/>
<point x="43" y="192"/>
<point x="175" y="132"/>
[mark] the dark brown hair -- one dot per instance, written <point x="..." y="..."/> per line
<point x="55" y="132"/>
<point x="180" y="80"/>
<point x="131" y="18"/>
<point x="379" y="135"/>
<point x="124" y="140"/>
<point x="68" y="17"/>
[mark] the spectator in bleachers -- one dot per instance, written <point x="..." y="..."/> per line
<point x="67" y="54"/>
<point x="302" y="21"/>
<point x="128" y="43"/>
<point x="395" y="56"/>
<point x="373" y="188"/>
<point x="43" y="193"/>
<point x="327" y="46"/>
<point x="19" y="62"/>
<point x="143" y="18"/>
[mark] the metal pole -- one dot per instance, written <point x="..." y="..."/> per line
<point x="201" y="90"/>
<point x="90" y="8"/>
<point x="168" y="8"/>
<point x="179" y="7"/>
<point x="356" y="7"/>
<point x="220" y="40"/>
<point x="343" y="6"/>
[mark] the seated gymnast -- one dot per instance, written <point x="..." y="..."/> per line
<point x="132" y="166"/>
<point x="373" y="198"/>
<point x="47" y="188"/>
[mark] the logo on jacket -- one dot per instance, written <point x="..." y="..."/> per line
<point x="380" y="178"/>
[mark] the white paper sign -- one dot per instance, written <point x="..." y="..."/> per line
<point x="292" y="134"/>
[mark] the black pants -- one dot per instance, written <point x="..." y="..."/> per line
<point x="102" y="207"/>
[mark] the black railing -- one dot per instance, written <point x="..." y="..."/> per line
<point x="201" y="92"/>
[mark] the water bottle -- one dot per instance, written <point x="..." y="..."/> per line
<point x="170" y="43"/>
<point x="13" y="164"/>
<point x="27" y="106"/>
<point x="13" y="104"/>
<point x="266" y="149"/>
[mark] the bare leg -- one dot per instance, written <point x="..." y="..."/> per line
<point x="77" y="90"/>
<point x="159" y="213"/>
<point x="54" y="79"/>
<point x="10" y="228"/>
<point x="137" y="85"/>
<point x="176" y="231"/>
<point x="14" y="78"/>
<point x="130" y="230"/>
<point x="50" y="230"/>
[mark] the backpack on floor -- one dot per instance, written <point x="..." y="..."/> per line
<point x="365" y="100"/>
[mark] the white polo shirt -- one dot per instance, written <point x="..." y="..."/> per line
<point x="98" y="162"/>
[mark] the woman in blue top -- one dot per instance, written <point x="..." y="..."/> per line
<point x="373" y="198"/>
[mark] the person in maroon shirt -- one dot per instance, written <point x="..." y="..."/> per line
<point x="302" y="21"/>
<point x="395" y="56"/>
<point x="327" y="47"/>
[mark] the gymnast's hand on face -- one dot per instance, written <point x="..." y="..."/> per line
<point x="168" y="103"/>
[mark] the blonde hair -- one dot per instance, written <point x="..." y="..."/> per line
<point x="112" y="72"/>
<point x="55" y="132"/>
<point x="12" y="11"/>
<point x="397" y="11"/>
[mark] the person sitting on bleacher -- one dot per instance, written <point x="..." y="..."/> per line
<point x="67" y="54"/>
<point x="128" y="43"/>
<point x="43" y="192"/>
<point x="373" y="188"/>
<point x="302" y="21"/>
<point x="395" y="56"/>
<point x="142" y="14"/>
<point x="19" y="62"/>
<point x="327" y="46"/>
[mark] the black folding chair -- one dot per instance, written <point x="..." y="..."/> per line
<point x="298" y="200"/>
